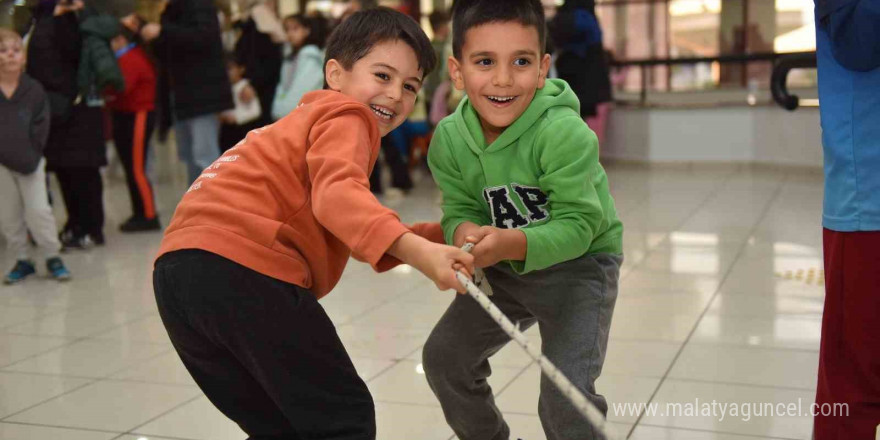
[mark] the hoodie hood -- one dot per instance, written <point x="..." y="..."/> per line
<point x="26" y="86"/>
<point x="103" y="26"/>
<point x="555" y="93"/>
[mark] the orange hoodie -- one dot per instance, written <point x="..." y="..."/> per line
<point x="292" y="200"/>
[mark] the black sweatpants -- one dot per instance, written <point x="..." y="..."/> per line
<point x="83" y="192"/>
<point x="131" y="135"/>
<point x="262" y="350"/>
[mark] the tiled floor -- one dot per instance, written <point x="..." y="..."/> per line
<point x="720" y="300"/>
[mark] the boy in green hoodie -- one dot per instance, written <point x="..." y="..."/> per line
<point x="520" y="177"/>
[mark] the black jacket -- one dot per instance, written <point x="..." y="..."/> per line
<point x="581" y="61"/>
<point x="190" y="53"/>
<point x="76" y="135"/>
<point x="24" y="122"/>
<point x="262" y="61"/>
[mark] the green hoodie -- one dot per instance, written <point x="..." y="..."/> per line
<point x="542" y="175"/>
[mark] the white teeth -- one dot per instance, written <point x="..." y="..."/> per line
<point x="382" y="112"/>
<point x="501" y="98"/>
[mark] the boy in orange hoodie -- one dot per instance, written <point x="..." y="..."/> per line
<point x="268" y="228"/>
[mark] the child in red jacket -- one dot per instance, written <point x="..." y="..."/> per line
<point x="133" y="123"/>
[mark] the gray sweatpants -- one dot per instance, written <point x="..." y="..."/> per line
<point x="24" y="205"/>
<point x="572" y="303"/>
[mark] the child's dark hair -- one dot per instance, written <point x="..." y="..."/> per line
<point x="467" y="14"/>
<point x="317" y="26"/>
<point x="354" y="38"/>
<point x="438" y="18"/>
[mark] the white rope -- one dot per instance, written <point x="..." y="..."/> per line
<point x="577" y="398"/>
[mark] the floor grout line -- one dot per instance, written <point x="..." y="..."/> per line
<point x="758" y="221"/>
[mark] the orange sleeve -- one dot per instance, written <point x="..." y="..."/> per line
<point x="339" y="159"/>
<point x="430" y="231"/>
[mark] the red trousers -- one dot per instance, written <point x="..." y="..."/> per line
<point x="849" y="357"/>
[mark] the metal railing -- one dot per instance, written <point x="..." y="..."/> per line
<point x="779" y="79"/>
<point x="644" y="64"/>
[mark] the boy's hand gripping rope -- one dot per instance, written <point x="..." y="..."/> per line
<point x="577" y="398"/>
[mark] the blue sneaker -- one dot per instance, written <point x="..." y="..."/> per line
<point x="22" y="270"/>
<point x="57" y="270"/>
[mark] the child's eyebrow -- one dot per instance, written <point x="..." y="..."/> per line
<point x="517" y="53"/>
<point x="393" y="70"/>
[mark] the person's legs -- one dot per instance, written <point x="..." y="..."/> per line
<point x="123" y="139"/>
<point x="573" y="302"/>
<point x="143" y="131"/>
<point x="205" y="143"/>
<point x="37" y="212"/>
<point x="399" y="171"/>
<point x="263" y="351"/>
<point x="91" y="189"/>
<point x="183" y="135"/>
<point x="67" y="183"/>
<point x="849" y="354"/>
<point x="455" y="359"/>
<point x="12" y="216"/>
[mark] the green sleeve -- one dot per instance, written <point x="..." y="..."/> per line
<point x="458" y="205"/>
<point x="567" y="152"/>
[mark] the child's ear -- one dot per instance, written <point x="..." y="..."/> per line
<point x="455" y="72"/>
<point x="545" y="69"/>
<point x="333" y="72"/>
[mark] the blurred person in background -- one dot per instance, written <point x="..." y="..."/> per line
<point x="440" y="26"/>
<point x="303" y="67"/>
<point x="24" y="202"/>
<point x="236" y="123"/>
<point x="69" y="54"/>
<point x="581" y="62"/>
<point x="133" y="123"/>
<point x="193" y="83"/>
<point x="259" y="49"/>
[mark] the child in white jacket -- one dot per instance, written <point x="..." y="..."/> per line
<point x="236" y="123"/>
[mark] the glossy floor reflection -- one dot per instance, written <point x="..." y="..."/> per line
<point x="721" y="299"/>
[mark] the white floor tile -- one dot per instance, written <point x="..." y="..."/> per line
<point x="381" y="342"/>
<point x="14" y="348"/>
<point x="111" y="406"/>
<point x="637" y="358"/>
<point x="76" y="323"/>
<point x="407" y="421"/>
<point x="748" y="365"/>
<point x="698" y="395"/>
<point x="643" y="432"/>
<point x="149" y="329"/>
<point x="766" y="306"/>
<point x="166" y="368"/>
<point x="400" y="314"/>
<point x="89" y="358"/>
<point x="20" y="391"/>
<point x="197" y="420"/>
<point x="14" y="431"/>
<point x="779" y="332"/>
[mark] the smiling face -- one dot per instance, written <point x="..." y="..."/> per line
<point x="387" y="80"/>
<point x="501" y="67"/>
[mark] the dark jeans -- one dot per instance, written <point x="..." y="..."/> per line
<point x="131" y="135"/>
<point x="262" y="350"/>
<point x="83" y="193"/>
